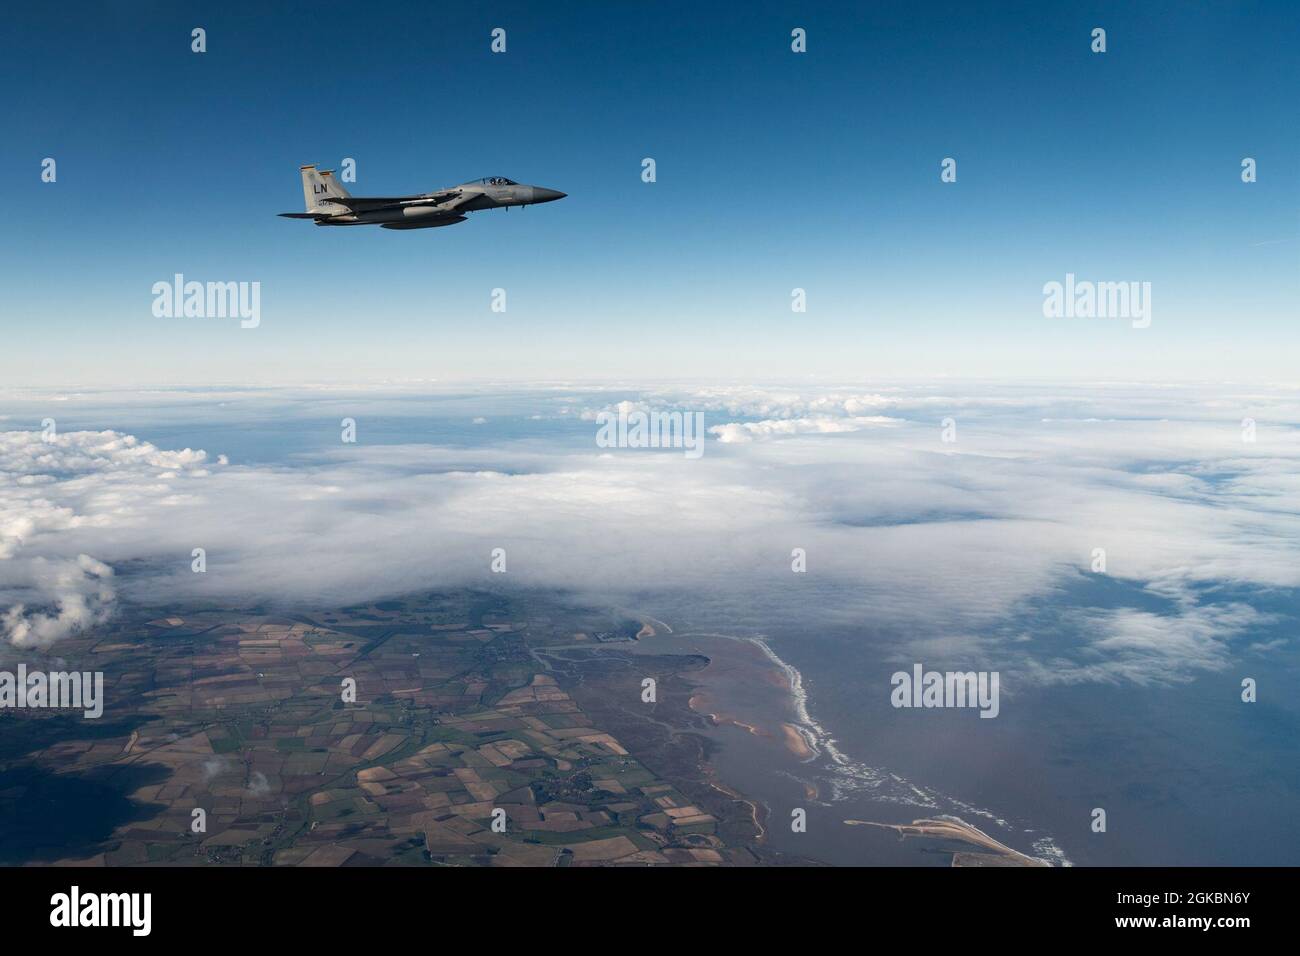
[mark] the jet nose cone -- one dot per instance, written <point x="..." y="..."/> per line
<point x="541" y="194"/>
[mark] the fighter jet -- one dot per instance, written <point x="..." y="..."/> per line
<point x="329" y="204"/>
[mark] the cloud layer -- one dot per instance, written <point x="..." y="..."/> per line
<point x="946" y="542"/>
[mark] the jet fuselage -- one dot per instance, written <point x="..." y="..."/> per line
<point x="329" y="204"/>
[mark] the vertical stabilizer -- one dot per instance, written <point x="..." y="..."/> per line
<point x="319" y="187"/>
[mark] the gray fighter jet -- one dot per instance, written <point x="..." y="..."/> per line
<point x="330" y="204"/>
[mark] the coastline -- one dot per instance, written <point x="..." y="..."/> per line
<point x="748" y="686"/>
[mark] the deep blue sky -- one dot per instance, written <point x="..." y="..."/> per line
<point x="775" y="170"/>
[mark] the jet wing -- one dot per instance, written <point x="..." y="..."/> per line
<point x="373" y="203"/>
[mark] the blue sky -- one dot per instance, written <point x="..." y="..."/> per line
<point x="775" y="171"/>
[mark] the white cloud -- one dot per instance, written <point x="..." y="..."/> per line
<point x="80" y="589"/>
<point x="942" y="543"/>
<point x="779" y="427"/>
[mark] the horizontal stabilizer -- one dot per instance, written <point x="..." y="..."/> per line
<point x="305" y="215"/>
